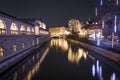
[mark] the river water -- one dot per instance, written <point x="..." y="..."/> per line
<point x="62" y="59"/>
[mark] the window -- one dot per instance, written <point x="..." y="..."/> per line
<point x="22" y="30"/>
<point x="1" y="51"/>
<point x="36" y="30"/>
<point x="2" y="27"/>
<point x="14" y="48"/>
<point x="23" y="45"/>
<point x="33" y="31"/>
<point x="14" y="29"/>
<point x="28" y="31"/>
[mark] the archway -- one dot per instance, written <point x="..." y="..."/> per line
<point x="2" y="27"/>
<point x="22" y="30"/>
<point x="14" y="29"/>
<point x="28" y="31"/>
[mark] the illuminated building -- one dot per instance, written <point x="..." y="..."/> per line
<point x="57" y="31"/>
<point x="17" y="35"/>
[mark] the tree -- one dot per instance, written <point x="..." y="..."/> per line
<point x="74" y="25"/>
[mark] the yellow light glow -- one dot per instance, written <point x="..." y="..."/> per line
<point x="2" y="25"/>
<point x="75" y="57"/>
<point x="61" y="43"/>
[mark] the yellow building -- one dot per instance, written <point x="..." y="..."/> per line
<point x="57" y="31"/>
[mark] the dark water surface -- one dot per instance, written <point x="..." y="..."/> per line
<point x="64" y="60"/>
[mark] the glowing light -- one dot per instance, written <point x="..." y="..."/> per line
<point x="60" y="43"/>
<point x="100" y="73"/>
<point x="97" y="66"/>
<point x="98" y="42"/>
<point x="103" y="24"/>
<point x="75" y="57"/>
<point x="117" y="2"/>
<point x="93" y="70"/>
<point x="113" y="77"/>
<point x="98" y="39"/>
<point x="94" y="36"/>
<point x="101" y="2"/>
<point x="2" y="25"/>
<point x="96" y="11"/>
<point x="115" y="24"/>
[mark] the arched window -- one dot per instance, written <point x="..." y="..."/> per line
<point x="1" y="52"/>
<point x="33" y="31"/>
<point x="22" y="30"/>
<point x="28" y="31"/>
<point x="23" y="45"/>
<point x="2" y="27"/>
<point x="14" y="48"/>
<point x="36" y="30"/>
<point x="14" y="29"/>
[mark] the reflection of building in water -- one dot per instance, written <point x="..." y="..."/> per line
<point x="75" y="57"/>
<point x="97" y="71"/>
<point x="37" y="66"/>
<point x="60" y="43"/>
<point x="30" y="68"/>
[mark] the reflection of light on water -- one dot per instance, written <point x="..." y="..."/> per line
<point x="93" y="70"/>
<point x="100" y="73"/>
<point x="98" y="69"/>
<point x="60" y="43"/>
<point x="15" y="77"/>
<point x="98" y="42"/>
<point x="75" y="57"/>
<point x="37" y="66"/>
<point x="44" y="55"/>
<point x="113" y="76"/>
<point x="97" y="66"/>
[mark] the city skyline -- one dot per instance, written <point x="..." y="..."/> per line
<point x="51" y="12"/>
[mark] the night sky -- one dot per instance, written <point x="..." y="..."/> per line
<point x="52" y="12"/>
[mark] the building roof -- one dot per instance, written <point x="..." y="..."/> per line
<point x="13" y="17"/>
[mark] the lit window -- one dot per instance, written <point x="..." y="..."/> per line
<point x="33" y="31"/>
<point x="22" y="30"/>
<point x="14" y="48"/>
<point x="1" y="51"/>
<point x="2" y="27"/>
<point x="14" y="29"/>
<point x="28" y="31"/>
<point x="36" y="30"/>
<point x="23" y="45"/>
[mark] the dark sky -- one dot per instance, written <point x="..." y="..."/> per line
<point x="52" y="12"/>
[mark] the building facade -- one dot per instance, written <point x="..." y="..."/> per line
<point x="17" y="35"/>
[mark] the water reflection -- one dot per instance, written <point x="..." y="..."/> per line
<point x="113" y="76"/>
<point x="63" y="64"/>
<point x="75" y="54"/>
<point x="36" y="67"/>
<point x="27" y="69"/>
<point x="75" y="57"/>
<point x="97" y="70"/>
<point x="60" y="43"/>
